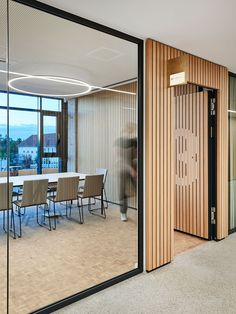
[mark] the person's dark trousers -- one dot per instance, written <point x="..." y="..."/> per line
<point x="125" y="178"/>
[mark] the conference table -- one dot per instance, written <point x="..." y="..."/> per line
<point x="18" y="181"/>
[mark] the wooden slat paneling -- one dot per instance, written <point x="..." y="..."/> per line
<point x="191" y="160"/>
<point x="159" y="156"/>
<point x="160" y="149"/>
<point x="102" y="117"/>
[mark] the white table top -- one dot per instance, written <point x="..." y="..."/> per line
<point x="52" y="177"/>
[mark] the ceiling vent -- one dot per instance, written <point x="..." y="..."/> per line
<point x="105" y="54"/>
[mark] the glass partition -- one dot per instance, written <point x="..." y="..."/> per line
<point x="71" y="153"/>
<point x="4" y="165"/>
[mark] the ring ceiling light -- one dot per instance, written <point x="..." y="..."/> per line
<point x="57" y="79"/>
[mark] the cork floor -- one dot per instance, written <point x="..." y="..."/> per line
<point x="48" y="266"/>
<point x="184" y="242"/>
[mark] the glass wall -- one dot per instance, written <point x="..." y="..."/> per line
<point x="4" y="213"/>
<point x="232" y="152"/>
<point x="69" y="155"/>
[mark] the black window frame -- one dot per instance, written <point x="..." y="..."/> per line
<point x="61" y="117"/>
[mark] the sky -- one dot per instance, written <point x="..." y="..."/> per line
<point x="28" y="102"/>
<point x="24" y="123"/>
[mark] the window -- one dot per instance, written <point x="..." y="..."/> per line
<point x="3" y="99"/>
<point x="50" y="104"/>
<point x="23" y="101"/>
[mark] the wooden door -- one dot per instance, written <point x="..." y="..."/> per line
<point x="191" y="169"/>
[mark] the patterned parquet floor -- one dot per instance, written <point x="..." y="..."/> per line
<point x="48" y="266"/>
<point x="184" y="242"/>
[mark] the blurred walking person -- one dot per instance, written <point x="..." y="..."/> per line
<point x="127" y="166"/>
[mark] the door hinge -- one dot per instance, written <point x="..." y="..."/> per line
<point x="213" y="219"/>
<point x="213" y="105"/>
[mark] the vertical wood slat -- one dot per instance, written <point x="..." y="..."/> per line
<point x="161" y="165"/>
<point x="202" y="73"/>
<point x="155" y="155"/>
<point x="159" y="178"/>
<point x="149" y="187"/>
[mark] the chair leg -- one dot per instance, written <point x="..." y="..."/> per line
<point x="82" y="211"/>
<point x="80" y="221"/>
<point x="13" y="222"/>
<point x="71" y="207"/>
<point x="46" y="208"/>
<point x="37" y="210"/>
<point x="103" y="209"/>
<point x="4" y="221"/>
<point x="44" y="213"/>
<point x="78" y="205"/>
<point x="54" y="212"/>
<point x="105" y="197"/>
<point x="89" y="205"/>
<point x="22" y="214"/>
<point x="19" y="215"/>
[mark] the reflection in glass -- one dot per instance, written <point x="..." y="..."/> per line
<point x="3" y="158"/>
<point x="3" y="140"/>
<point x="127" y="163"/>
<point x="3" y="236"/>
<point x="82" y="120"/>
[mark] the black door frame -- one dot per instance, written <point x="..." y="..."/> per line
<point x="102" y="28"/>
<point x="212" y="162"/>
<point x="231" y="230"/>
<point x="61" y="149"/>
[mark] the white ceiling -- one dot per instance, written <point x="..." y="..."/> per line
<point x="206" y="28"/>
<point x="42" y="44"/>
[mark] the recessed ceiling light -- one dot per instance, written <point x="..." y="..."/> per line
<point x="105" y="54"/>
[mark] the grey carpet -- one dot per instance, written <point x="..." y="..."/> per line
<point x="202" y="280"/>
